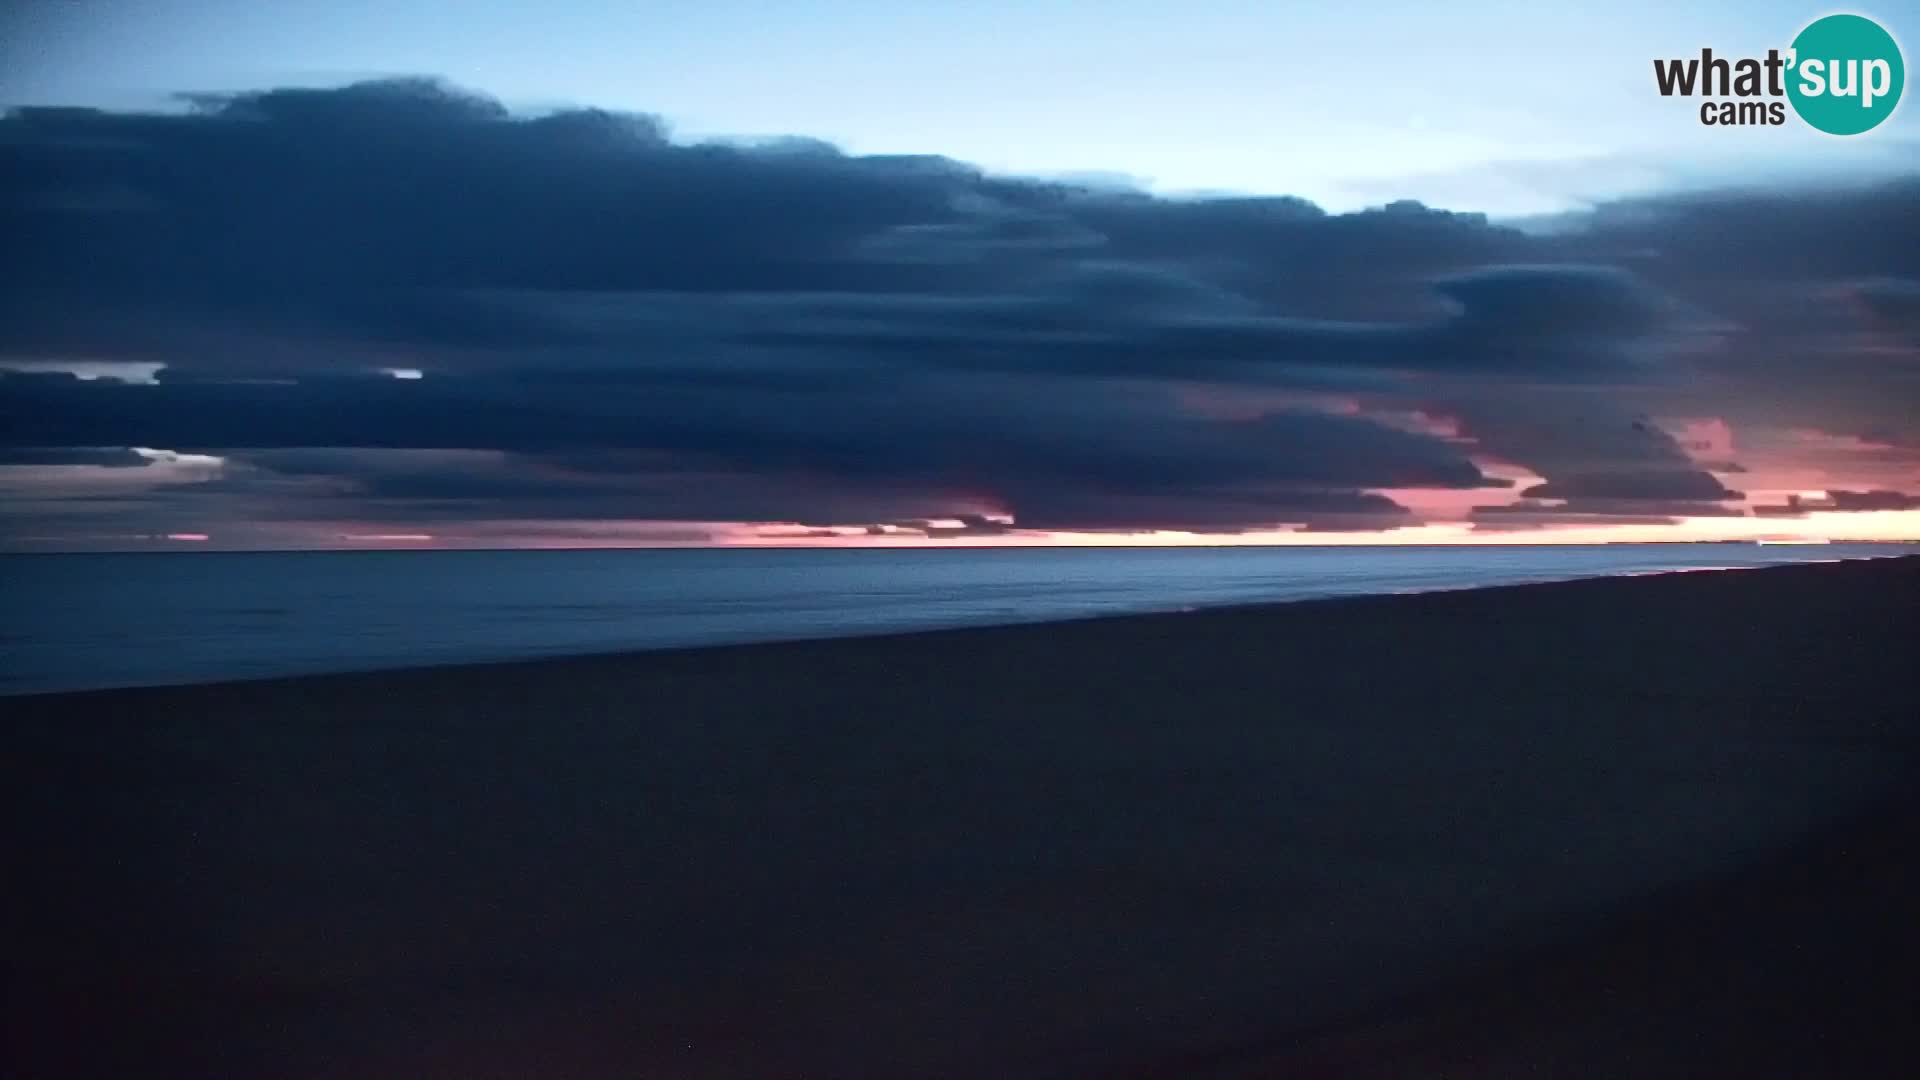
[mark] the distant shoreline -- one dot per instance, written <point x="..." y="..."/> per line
<point x="663" y="633"/>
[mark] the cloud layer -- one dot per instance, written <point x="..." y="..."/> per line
<point x="612" y="326"/>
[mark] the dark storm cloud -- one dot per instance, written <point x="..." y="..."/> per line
<point x="1669" y="484"/>
<point x="1873" y="500"/>
<point x="1558" y="323"/>
<point x="1895" y="306"/>
<point x="923" y="424"/>
<point x="1593" y="455"/>
<point x="404" y="214"/>
<point x="1056" y="453"/>
<point x="1841" y="500"/>
<point x="253" y="200"/>
<point x="98" y="456"/>
<point x="1814" y="291"/>
<point x="615" y="325"/>
<point x="1854" y="232"/>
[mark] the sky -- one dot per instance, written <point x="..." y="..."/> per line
<point x="394" y="274"/>
<point x="1480" y="106"/>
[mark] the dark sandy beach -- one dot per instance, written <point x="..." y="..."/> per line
<point x="1658" y="826"/>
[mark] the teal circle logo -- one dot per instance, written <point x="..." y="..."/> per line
<point x="1846" y="75"/>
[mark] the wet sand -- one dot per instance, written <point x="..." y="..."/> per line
<point x="1653" y="827"/>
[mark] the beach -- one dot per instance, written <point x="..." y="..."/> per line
<point x="1647" y="826"/>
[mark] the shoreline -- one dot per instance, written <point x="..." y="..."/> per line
<point x="1235" y="607"/>
<point x="1254" y="840"/>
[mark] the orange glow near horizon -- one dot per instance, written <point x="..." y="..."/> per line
<point x="1817" y="526"/>
<point x="388" y="538"/>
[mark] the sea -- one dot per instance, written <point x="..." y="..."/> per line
<point x="93" y="621"/>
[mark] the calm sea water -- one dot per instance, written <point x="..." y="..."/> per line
<point x="86" y="621"/>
